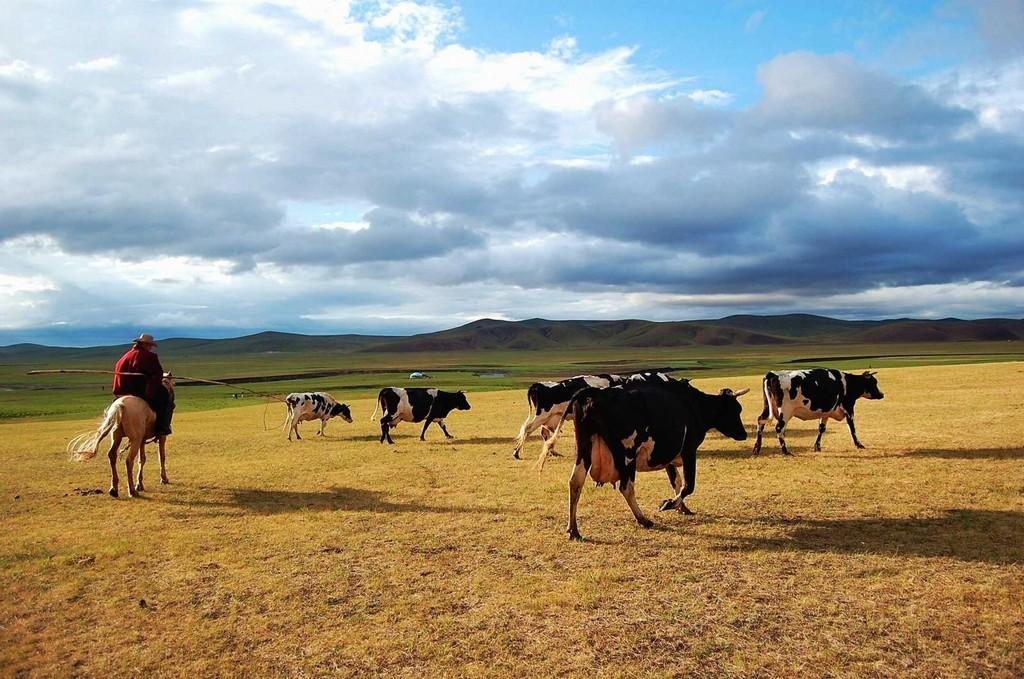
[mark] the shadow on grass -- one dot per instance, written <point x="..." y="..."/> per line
<point x="269" y="501"/>
<point x="985" y="536"/>
<point x="970" y="454"/>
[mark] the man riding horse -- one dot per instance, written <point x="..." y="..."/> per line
<point x="149" y="384"/>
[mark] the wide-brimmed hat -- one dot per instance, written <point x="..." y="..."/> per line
<point x="144" y="338"/>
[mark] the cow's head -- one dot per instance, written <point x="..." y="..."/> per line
<point x="460" y="401"/>
<point x="729" y="421"/>
<point x="341" y="410"/>
<point x="871" y="389"/>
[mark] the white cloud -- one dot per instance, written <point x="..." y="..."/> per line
<point x="754" y="20"/>
<point x="22" y="70"/>
<point x="97" y="65"/>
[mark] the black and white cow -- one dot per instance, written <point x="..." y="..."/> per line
<point x="644" y="426"/>
<point x="547" y="401"/>
<point x="315" y="405"/>
<point x="815" y="394"/>
<point x="416" y="404"/>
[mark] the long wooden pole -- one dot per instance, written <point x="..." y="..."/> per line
<point x="83" y="371"/>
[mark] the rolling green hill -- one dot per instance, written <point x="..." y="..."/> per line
<point x="541" y="334"/>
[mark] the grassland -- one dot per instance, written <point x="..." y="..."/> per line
<point x="360" y="375"/>
<point x="339" y="556"/>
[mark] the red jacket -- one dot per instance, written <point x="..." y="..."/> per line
<point x="138" y="360"/>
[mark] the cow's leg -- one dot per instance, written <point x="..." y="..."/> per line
<point x="426" y="423"/>
<point x="689" y="479"/>
<point x="853" y="430"/>
<point x="675" y="479"/>
<point x="139" y="486"/>
<point x="112" y="456"/>
<point x="821" y="430"/>
<point x="780" y="429"/>
<point x="385" y="429"/>
<point x="576" y="481"/>
<point x="163" y="460"/>
<point x="440" y="423"/>
<point x="762" y="420"/>
<point x="628" y="489"/>
<point x="546" y="433"/>
<point x="129" y="467"/>
<point x="323" y="427"/>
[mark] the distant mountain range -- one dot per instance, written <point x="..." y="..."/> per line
<point x="541" y="334"/>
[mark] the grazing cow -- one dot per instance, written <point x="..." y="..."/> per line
<point x="317" y="405"/>
<point x="816" y="394"/>
<point x="644" y="427"/>
<point x="416" y="404"/>
<point x="548" y="400"/>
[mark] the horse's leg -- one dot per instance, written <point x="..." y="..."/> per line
<point x="142" y="463"/>
<point x="163" y="459"/>
<point x="129" y="466"/>
<point x="112" y="456"/>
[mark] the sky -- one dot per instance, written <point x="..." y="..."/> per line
<point x="213" y="168"/>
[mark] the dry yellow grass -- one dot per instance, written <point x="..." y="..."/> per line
<point x="341" y="556"/>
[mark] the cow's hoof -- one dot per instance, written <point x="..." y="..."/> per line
<point x="817" y="449"/>
<point x="667" y="505"/>
<point x="113" y="492"/>
<point x="755" y="451"/>
<point x="861" y="446"/>
<point x="448" y="436"/>
<point x="645" y="523"/>
<point x="515" y="455"/>
<point x="574" y="535"/>
<point x="683" y="509"/>
<point x="133" y="493"/>
<point x="165" y="481"/>
<point x="139" y="488"/>
<point x="786" y="452"/>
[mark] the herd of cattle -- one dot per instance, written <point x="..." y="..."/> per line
<point x="624" y="424"/>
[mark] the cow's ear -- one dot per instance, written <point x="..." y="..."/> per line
<point x="869" y="373"/>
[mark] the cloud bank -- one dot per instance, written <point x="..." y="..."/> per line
<point x="187" y="180"/>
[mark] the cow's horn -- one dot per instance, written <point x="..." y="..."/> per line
<point x="739" y="393"/>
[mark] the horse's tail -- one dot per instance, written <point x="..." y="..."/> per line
<point x="550" y="443"/>
<point x="87" y="444"/>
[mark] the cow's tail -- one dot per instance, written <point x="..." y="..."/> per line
<point x="87" y="444"/>
<point x="770" y="409"/>
<point x="521" y="436"/>
<point x="287" y="416"/>
<point x="545" y="451"/>
<point x="380" y="397"/>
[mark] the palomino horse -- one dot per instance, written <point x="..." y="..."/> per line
<point x="128" y="417"/>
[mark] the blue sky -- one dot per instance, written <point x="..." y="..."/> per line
<point x="393" y="166"/>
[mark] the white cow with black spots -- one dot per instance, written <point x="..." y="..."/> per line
<point x="317" y="405"/>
